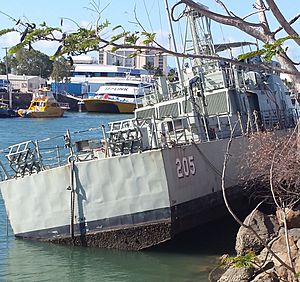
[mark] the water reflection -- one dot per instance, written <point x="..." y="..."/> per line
<point x="28" y="261"/>
<point x="188" y="258"/>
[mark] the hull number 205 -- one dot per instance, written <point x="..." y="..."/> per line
<point x="185" y="166"/>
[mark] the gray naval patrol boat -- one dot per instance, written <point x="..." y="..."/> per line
<point x="155" y="175"/>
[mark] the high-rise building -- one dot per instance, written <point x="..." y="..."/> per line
<point x="151" y="59"/>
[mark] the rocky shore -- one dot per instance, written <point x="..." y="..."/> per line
<point x="254" y="262"/>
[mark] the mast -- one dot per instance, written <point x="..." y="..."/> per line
<point x="8" y="83"/>
<point x="201" y="35"/>
<point x="174" y="44"/>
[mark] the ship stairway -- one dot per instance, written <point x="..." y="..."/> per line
<point x="124" y="137"/>
<point x="24" y="158"/>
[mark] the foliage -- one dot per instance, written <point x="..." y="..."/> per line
<point x="31" y="62"/>
<point x="158" y="72"/>
<point x="61" y="69"/>
<point x="149" y="67"/>
<point x="31" y="34"/>
<point x="268" y="51"/>
<point x="2" y="68"/>
<point x="172" y="75"/>
<point x="272" y="153"/>
<point x="93" y="38"/>
<point x="240" y="261"/>
<point x="11" y="63"/>
<point x="81" y="41"/>
<point x="6" y="30"/>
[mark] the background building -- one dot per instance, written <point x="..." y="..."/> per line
<point x="24" y="83"/>
<point x="150" y="58"/>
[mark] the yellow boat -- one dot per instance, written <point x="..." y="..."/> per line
<point x="43" y="105"/>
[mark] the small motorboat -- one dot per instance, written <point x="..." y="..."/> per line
<point x="43" y="105"/>
<point x="6" y="112"/>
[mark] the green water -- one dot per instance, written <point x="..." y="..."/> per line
<point x="189" y="257"/>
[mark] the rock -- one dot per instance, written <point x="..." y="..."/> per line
<point x="295" y="233"/>
<point x="266" y="277"/>
<point x="297" y="264"/>
<point x="279" y="248"/>
<point x="237" y="275"/>
<point x="298" y="244"/>
<point x="283" y="273"/>
<point x="292" y="218"/>
<point x="266" y="226"/>
<point x="269" y="269"/>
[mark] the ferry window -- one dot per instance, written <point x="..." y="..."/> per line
<point x="122" y="84"/>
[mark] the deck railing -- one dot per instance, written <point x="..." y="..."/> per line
<point x="132" y="136"/>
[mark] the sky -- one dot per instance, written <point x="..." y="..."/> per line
<point x="151" y="14"/>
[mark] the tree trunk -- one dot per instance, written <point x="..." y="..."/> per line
<point x="262" y="16"/>
<point x="259" y="31"/>
<point x="287" y="64"/>
<point x="283" y="22"/>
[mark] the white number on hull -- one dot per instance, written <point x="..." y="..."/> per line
<point x="185" y="166"/>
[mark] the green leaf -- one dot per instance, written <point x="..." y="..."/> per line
<point x="132" y="55"/>
<point x="131" y="39"/>
<point x="147" y="42"/>
<point x="118" y="36"/>
<point x="241" y="261"/>
<point x="251" y="54"/>
<point x="117" y="27"/>
<point x="149" y="36"/>
<point x="6" y="30"/>
<point x="16" y="48"/>
<point x="269" y="50"/>
<point x="103" y="25"/>
<point x="114" y="49"/>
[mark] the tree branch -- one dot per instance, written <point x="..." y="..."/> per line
<point x="247" y="226"/>
<point x="229" y="13"/>
<point x="163" y="50"/>
<point x="256" y="30"/>
<point x="254" y="13"/>
<point x="283" y="22"/>
<point x="290" y="23"/>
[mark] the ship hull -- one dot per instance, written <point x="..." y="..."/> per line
<point x="51" y="113"/>
<point x="7" y="113"/>
<point x="138" y="201"/>
<point x="108" y="106"/>
<point x="75" y="103"/>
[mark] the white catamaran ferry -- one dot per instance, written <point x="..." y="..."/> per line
<point x="152" y="176"/>
<point x="118" y="96"/>
<point x="92" y="76"/>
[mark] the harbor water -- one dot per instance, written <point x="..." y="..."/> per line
<point x="190" y="257"/>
